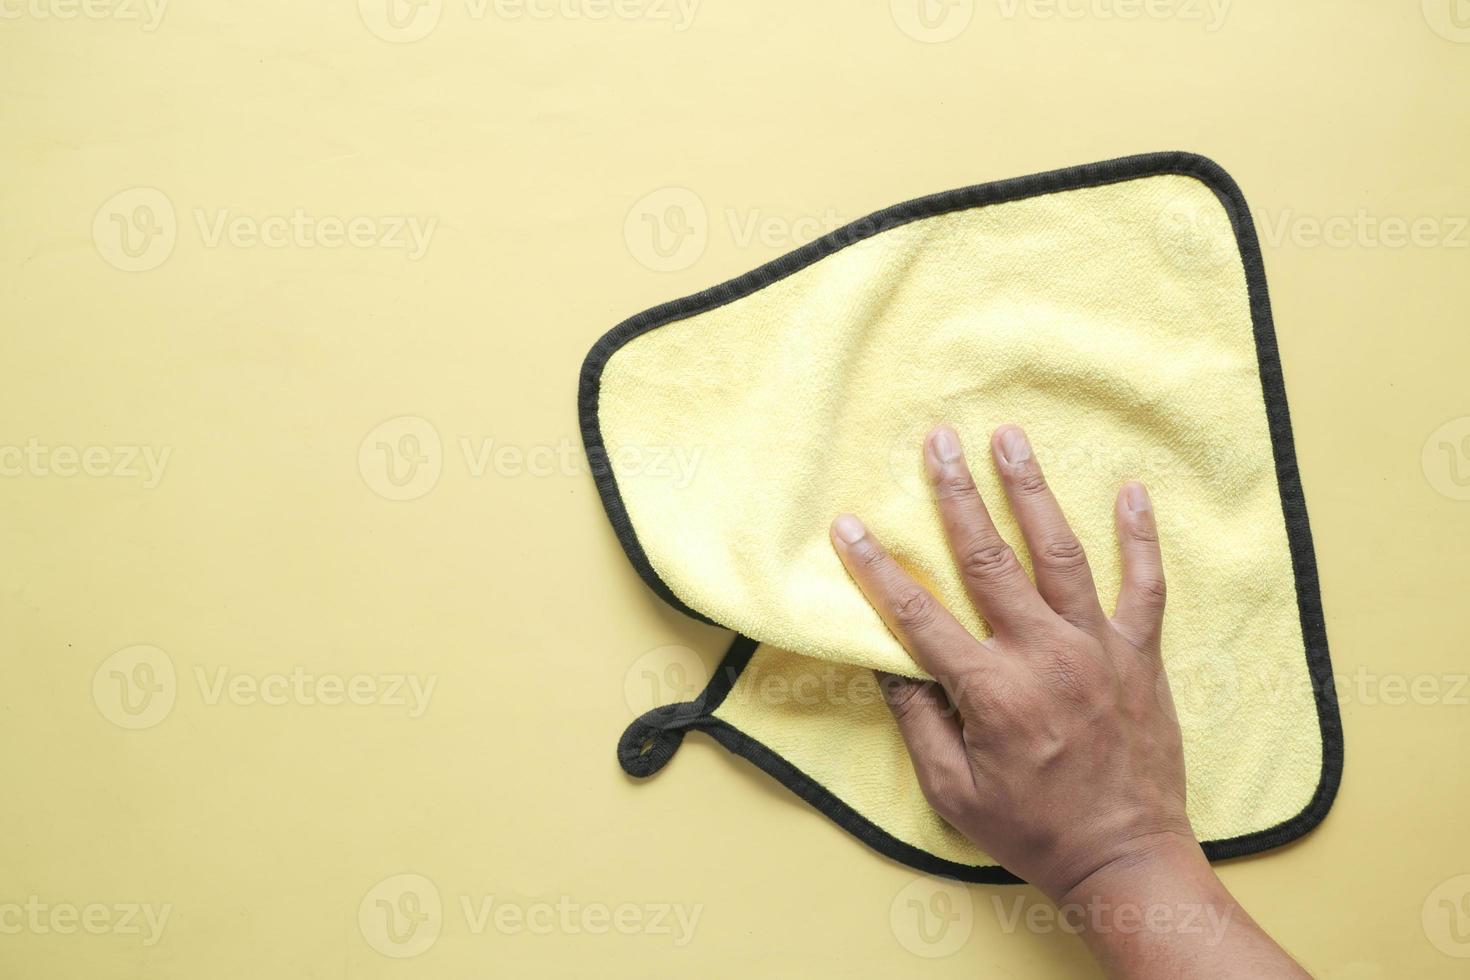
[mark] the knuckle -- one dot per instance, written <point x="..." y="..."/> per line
<point x="1152" y="589"/>
<point x="964" y="691"/>
<point x="944" y="793"/>
<point x="869" y="556"/>
<point x="981" y="697"/>
<point x="986" y="705"/>
<point x="1030" y="483"/>
<point x="956" y="484"/>
<point x="904" y="699"/>
<point x="1143" y="532"/>
<point x="987" y="559"/>
<point x="1063" y="554"/>
<point x="914" y="609"/>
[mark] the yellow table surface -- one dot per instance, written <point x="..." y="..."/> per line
<point x="316" y="639"/>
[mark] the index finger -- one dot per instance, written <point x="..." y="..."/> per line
<point x="927" y="630"/>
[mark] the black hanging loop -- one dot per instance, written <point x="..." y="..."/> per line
<point x="652" y="739"/>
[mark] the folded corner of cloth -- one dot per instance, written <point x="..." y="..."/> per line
<point x="1119" y="311"/>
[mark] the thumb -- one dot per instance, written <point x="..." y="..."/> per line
<point x="931" y="731"/>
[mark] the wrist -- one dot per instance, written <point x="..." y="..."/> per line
<point x="1160" y="910"/>
<point x="1166" y="861"/>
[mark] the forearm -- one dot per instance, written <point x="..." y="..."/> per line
<point x="1166" y="914"/>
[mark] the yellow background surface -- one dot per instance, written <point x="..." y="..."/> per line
<point x="263" y="450"/>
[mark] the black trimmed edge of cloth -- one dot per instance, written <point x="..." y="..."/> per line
<point x="650" y="741"/>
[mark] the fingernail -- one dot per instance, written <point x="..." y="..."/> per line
<point x="946" y="444"/>
<point x="849" y="528"/>
<point x="1013" y="445"/>
<point x="1136" y="497"/>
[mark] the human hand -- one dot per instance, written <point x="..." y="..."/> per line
<point x="1064" y="754"/>
<point x="1054" y="744"/>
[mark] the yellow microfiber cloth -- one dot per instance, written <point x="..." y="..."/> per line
<point x="1119" y="312"/>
